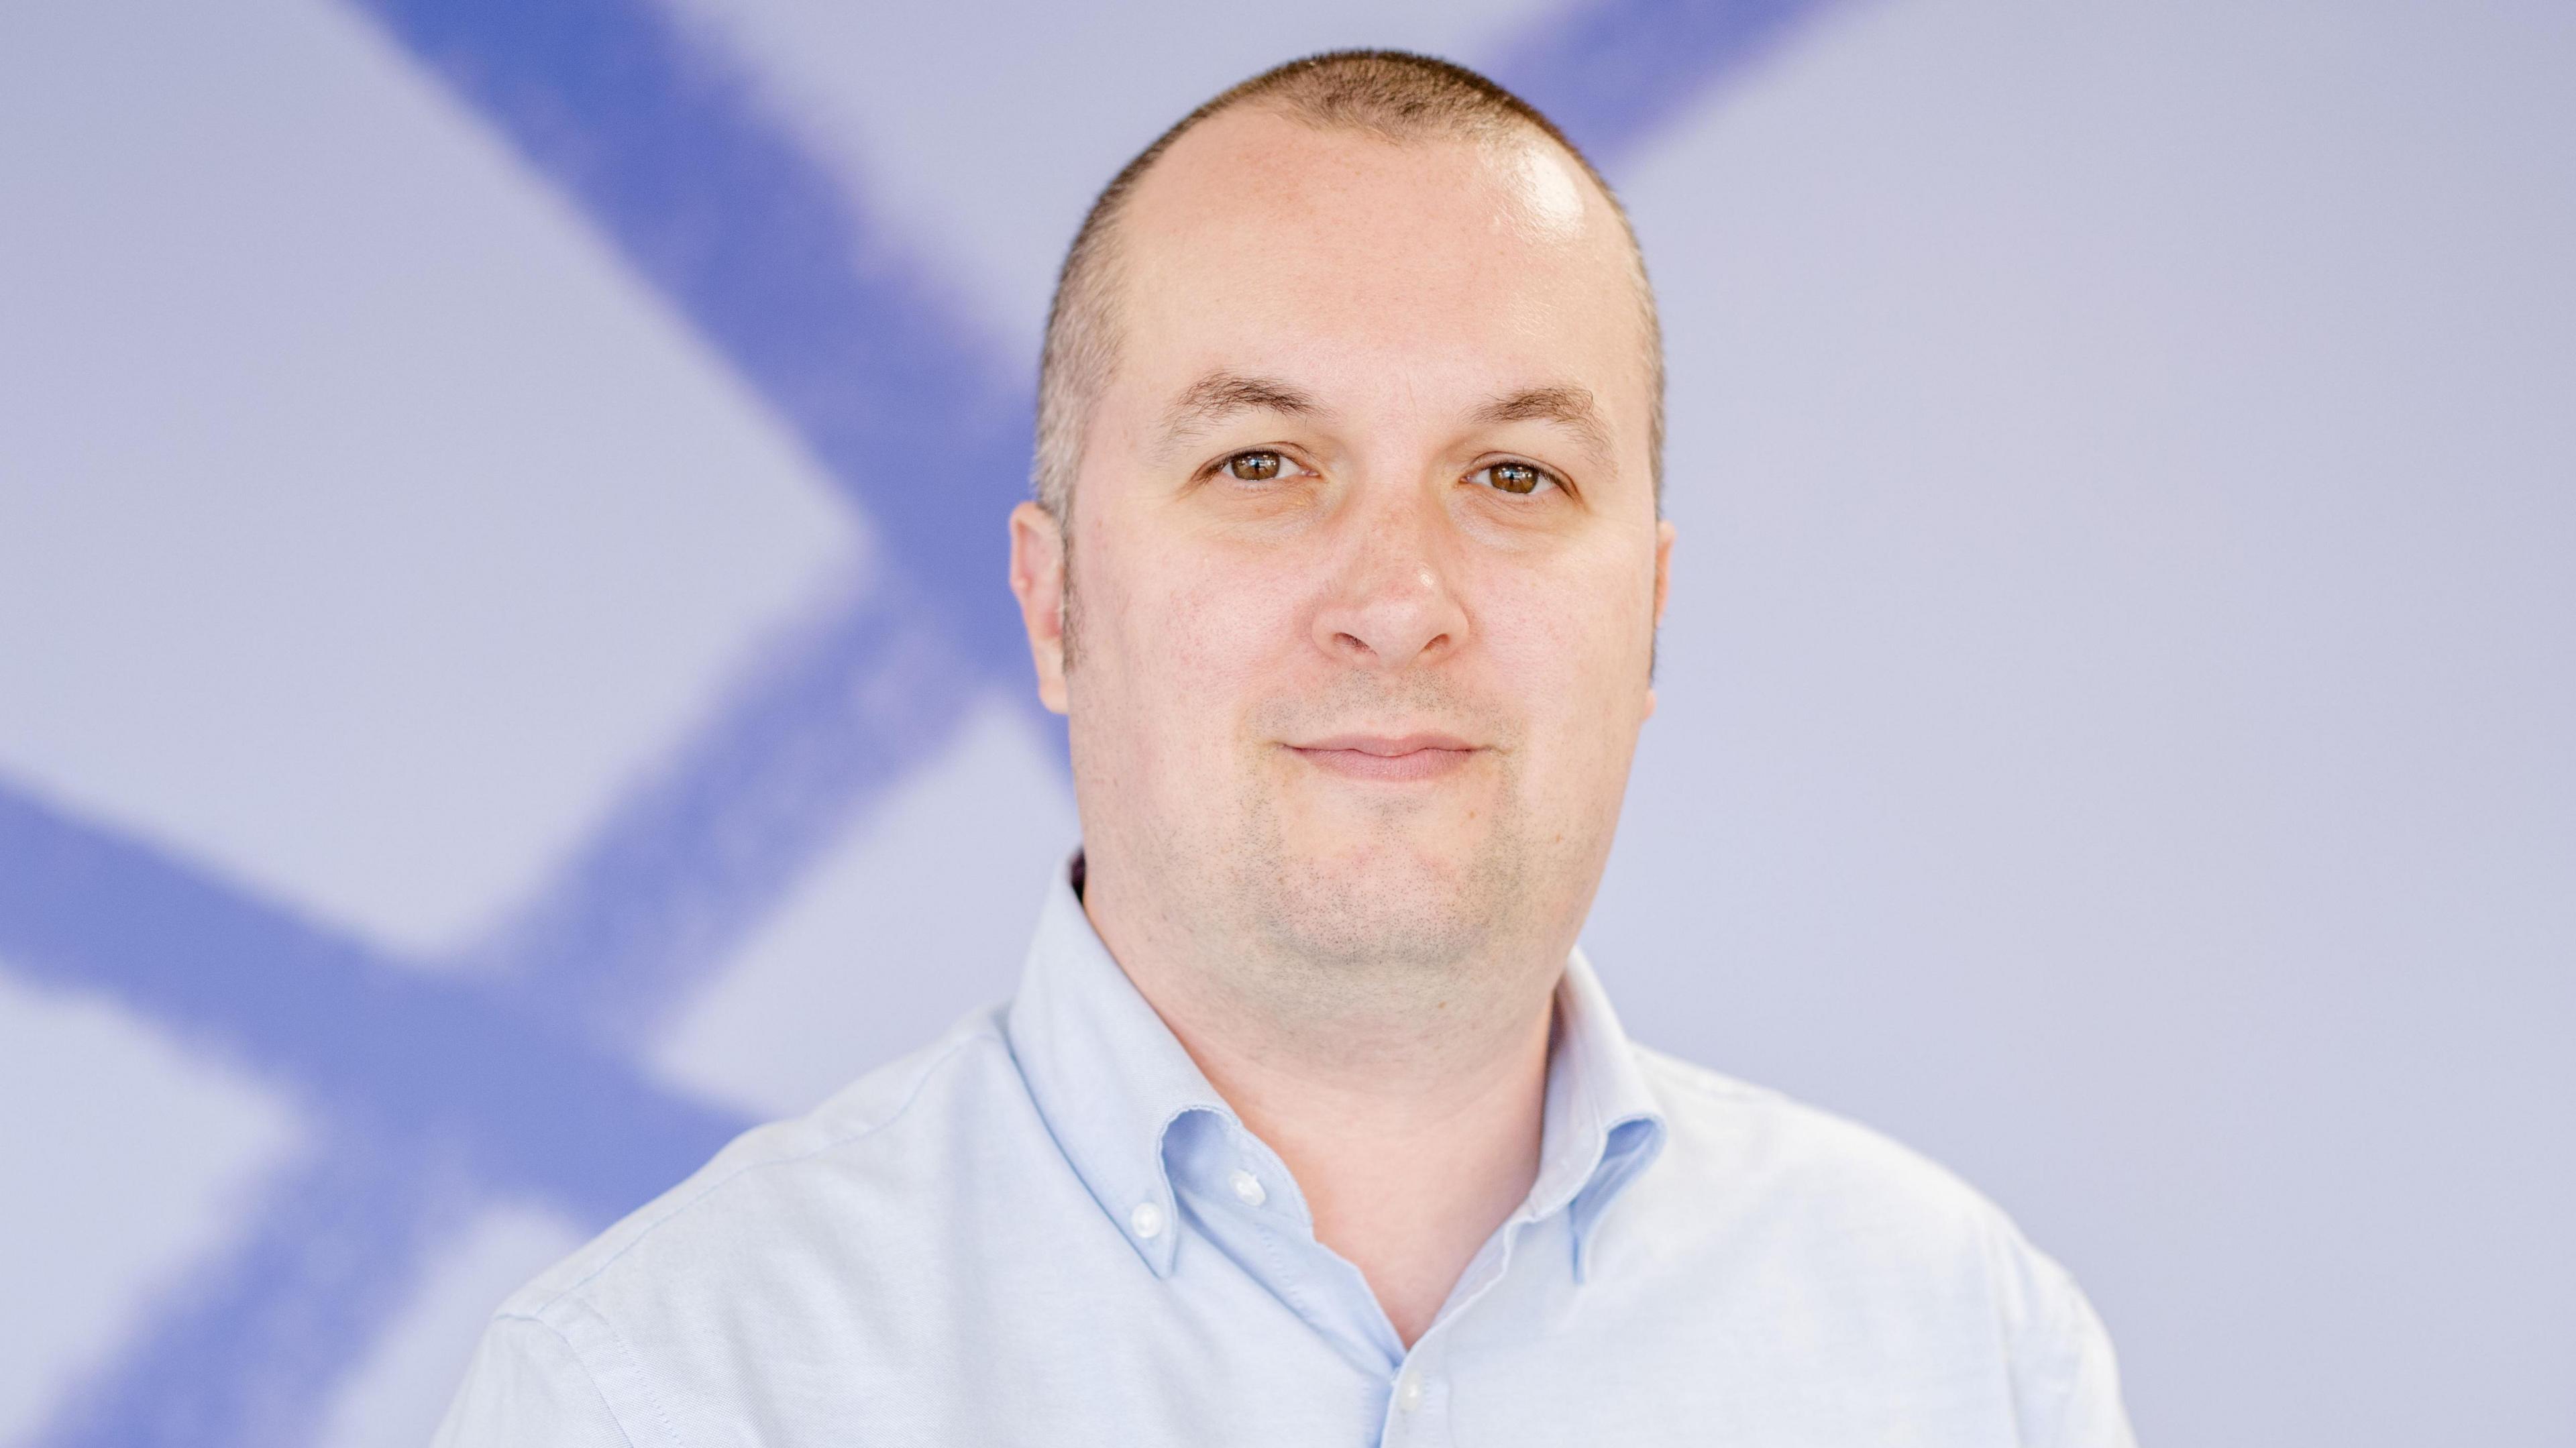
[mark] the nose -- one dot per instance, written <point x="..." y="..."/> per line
<point x="1392" y="602"/>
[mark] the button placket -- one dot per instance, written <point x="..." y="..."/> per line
<point x="1418" y="1405"/>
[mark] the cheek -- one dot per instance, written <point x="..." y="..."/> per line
<point x="1571" y="653"/>
<point x="1573" y="648"/>
<point x="1195" y="632"/>
<point x="1226" y="629"/>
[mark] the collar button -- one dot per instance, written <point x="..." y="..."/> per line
<point x="1247" y="1188"/>
<point x="1147" y="1220"/>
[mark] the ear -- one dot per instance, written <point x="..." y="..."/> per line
<point x="1663" y="592"/>
<point x="1037" y="580"/>
<point x="1663" y="567"/>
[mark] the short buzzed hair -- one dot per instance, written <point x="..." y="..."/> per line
<point x="1394" y="95"/>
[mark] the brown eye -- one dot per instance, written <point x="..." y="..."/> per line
<point x="1515" y="477"/>
<point x="1253" y="467"/>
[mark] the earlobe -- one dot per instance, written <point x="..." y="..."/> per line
<point x="1037" y="581"/>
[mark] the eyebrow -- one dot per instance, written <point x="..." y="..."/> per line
<point x="1571" y="408"/>
<point x="1221" y="394"/>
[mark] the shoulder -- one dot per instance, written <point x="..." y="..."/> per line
<point x="1851" y="1210"/>
<point x="1898" y="1294"/>
<point x="773" y="1191"/>
<point x="799" y="1246"/>
<point x="1751" y="1144"/>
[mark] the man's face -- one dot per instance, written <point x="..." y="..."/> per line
<point x="1365" y="558"/>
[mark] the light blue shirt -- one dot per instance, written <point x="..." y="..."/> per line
<point x="1047" y="1228"/>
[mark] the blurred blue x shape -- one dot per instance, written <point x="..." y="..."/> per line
<point x="433" y="1091"/>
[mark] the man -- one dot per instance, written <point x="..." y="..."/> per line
<point x="1308" y="1125"/>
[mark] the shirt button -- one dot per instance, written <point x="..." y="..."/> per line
<point x="1247" y="1187"/>
<point x="1147" y="1219"/>
<point x="1408" y="1393"/>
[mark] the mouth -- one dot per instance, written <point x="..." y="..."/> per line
<point x="1387" y="757"/>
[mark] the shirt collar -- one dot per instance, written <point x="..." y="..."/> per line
<point x="1110" y="1080"/>
<point x="1603" y="1123"/>
<point x="1109" y="1077"/>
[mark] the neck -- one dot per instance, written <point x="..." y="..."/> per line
<point x="1410" y="1113"/>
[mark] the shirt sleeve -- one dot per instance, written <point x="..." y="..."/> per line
<point x="527" y="1388"/>
<point x="2066" y="1381"/>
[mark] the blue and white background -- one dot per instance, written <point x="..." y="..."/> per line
<point x="505" y="677"/>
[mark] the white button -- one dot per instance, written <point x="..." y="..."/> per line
<point x="1408" y="1393"/>
<point x="1147" y="1219"/>
<point x="1248" y="1188"/>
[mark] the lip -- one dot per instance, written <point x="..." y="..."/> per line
<point x="1387" y="757"/>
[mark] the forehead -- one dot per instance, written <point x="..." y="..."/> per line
<point x="1257" y="237"/>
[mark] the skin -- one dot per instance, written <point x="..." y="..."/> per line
<point x="1366" y="570"/>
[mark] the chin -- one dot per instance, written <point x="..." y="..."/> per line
<point x="1386" y="901"/>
